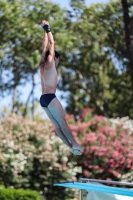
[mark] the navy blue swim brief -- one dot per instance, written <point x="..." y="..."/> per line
<point x="45" y="99"/>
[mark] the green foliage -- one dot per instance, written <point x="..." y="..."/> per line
<point x="108" y="146"/>
<point x="13" y="194"/>
<point x="32" y="156"/>
<point x="21" y="42"/>
<point x="94" y="63"/>
<point x="97" y="71"/>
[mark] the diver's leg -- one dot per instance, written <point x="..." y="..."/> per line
<point x="57" y="112"/>
<point x="59" y="131"/>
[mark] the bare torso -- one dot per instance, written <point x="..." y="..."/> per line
<point x="49" y="77"/>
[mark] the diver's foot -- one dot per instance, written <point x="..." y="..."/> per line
<point x="76" y="152"/>
<point x="78" y="148"/>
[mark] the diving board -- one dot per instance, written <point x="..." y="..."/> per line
<point x="97" y="188"/>
<point x="106" y="181"/>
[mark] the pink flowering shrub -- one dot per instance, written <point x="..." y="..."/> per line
<point x="108" y="150"/>
<point x="32" y="156"/>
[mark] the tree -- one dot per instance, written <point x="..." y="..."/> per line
<point x="97" y="73"/>
<point x="14" y="36"/>
<point x="128" y="21"/>
<point x="21" y="42"/>
<point x="94" y="62"/>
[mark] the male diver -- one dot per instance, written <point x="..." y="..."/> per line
<point x="49" y="78"/>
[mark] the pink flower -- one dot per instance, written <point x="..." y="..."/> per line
<point x="74" y="133"/>
<point x="101" y="170"/>
<point x="94" y="148"/>
<point x="89" y="157"/>
<point x="99" y="118"/>
<point x="73" y="127"/>
<point x="129" y="161"/>
<point x="86" y="174"/>
<point x="64" y="164"/>
<point x="115" y="154"/>
<point x="96" y="167"/>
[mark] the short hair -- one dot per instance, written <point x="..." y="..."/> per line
<point x="57" y="55"/>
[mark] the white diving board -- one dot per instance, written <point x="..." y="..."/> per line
<point x="106" y="181"/>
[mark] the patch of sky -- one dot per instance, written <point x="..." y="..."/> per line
<point x="119" y="65"/>
<point x="131" y="11"/>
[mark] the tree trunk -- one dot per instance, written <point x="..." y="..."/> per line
<point x="33" y="87"/>
<point x="128" y="21"/>
<point x="28" y="99"/>
<point x="14" y="98"/>
<point x="26" y="104"/>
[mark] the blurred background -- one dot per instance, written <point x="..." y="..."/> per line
<point x="95" y="88"/>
